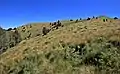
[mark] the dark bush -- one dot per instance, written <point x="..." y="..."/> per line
<point x="11" y="45"/>
<point x="23" y="30"/>
<point x="71" y="19"/>
<point x="62" y="25"/>
<point x="76" y="21"/>
<point x="80" y="18"/>
<point x="14" y="28"/>
<point x="50" y="23"/>
<point x="54" y="23"/>
<point x="23" y="27"/>
<point x="88" y="18"/>
<point x="9" y="29"/>
<point x="58" y="22"/>
<point x="115" y="18"/>
<point x="45" y="30"/>
<point x="96" y="17"/>
<point x="104" y="20"/>
<point x="9" y="39"/>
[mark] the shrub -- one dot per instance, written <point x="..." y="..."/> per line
<point x="88" y="18"/>
<point x="71" y="19"/>
<point x="50" y="23"/>
<point x="14" y="28"/>
<point x="23" y="27"/>
<point x="80" y="18"/>
<point x="11" y="44"/>
<point x="96" y="17"/>
<point x="104" y="20"/>
<point x="9" y="29"/>
<point x="115" y="18"/>
<point x="76" y="21"/>
<point x="45" y="30"/>
<point x="99" y="53"/>
<point x="54" y="23"/>
<point x="58" y="22"/>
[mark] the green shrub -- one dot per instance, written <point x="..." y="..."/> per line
<point x="115" y="18"/>
<point x="100" y="53"/>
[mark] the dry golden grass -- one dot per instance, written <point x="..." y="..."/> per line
<point x="73" y="33"/>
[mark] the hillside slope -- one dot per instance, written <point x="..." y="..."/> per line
<point x="8" y="39"/>
<point x="85" y="47"/>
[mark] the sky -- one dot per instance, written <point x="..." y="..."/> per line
<point x="14" y="13"/>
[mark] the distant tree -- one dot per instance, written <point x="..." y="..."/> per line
<point x="104" y="20"/>
<point x="50" y="23"/>
<point x="80" y="18"/>
<point x="44" y="30"/>
<point x="88" y="18"/>
<point x="71" y="19"/>
<point x="54" y="23"/>
<point x="76" y="21"/>
<point x="96" y="17"/>
<point x="93" y="17"/>
<point x="58" y="21"/>
<point x="15" y="28"/>
<point x="9" y="29"/>
<point x="115" y="18"/>
<point x="59" y="24"/>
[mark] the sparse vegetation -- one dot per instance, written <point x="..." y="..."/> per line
<point x="71" y="19"/>
<point x="76" y="21"/>
<point x="86" y="47"/>
<point x="80" y="18"/>
<point x="45" y="30"/>
<point x="115" y="18"/>
<point x="9" y="29"/>
<point x="9" y="39"/>
<point x="88" y="18"/>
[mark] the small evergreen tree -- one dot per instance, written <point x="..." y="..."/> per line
<point x="71" y="19"/>
<point x="9" y="29"/>
<point x="115" y="18"/>
<point x="76" y="21"/>
<point x="80" y="18"/>
<point x="88" y="18"/>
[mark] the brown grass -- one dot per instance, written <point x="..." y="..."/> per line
<point x="74" y="33"/>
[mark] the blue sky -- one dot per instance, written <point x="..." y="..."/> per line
<point x="14" y="13"/>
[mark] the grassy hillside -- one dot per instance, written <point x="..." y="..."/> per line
<point x="82" y="47"/>
<point x="8" y="39"/>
